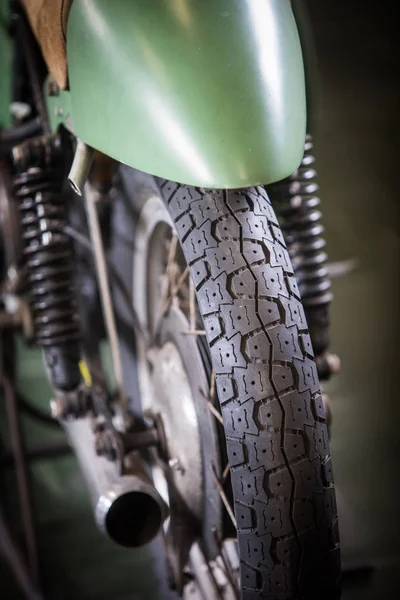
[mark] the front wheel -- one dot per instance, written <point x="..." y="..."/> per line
<point x="263" y="390"/>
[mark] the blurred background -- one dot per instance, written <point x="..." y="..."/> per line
<point x="357" y="147"/>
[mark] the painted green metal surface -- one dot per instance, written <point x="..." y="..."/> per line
<point x="5" y="66"/>
<point x="58" y="103"/>
<point x="306" y="34"/>
<point x="204" y="92"/>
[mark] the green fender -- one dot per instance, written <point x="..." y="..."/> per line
<point x="204" y="92"/>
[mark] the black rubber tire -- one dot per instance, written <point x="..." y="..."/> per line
<point x="267" y="383"/>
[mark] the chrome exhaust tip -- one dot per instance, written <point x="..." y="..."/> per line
<point x="126" y="507"/>
<point x="130" y="512"/>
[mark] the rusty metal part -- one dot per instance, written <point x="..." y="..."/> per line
<point x="112" y="444"/>
<point x="109" y="444"/>
<point x="141" y="439"/>
<point x="73" y="404"/>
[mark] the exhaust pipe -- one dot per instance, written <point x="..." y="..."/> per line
<point x="127" y="508"/>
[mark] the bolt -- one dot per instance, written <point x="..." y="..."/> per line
<point x="108" y="445"/>
<point x="175" y="465"/>
<point x="52" y="88"/>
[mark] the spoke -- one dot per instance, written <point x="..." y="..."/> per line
<point x="192" y="305"/>
<point x="212" y="408"/>
<point x="226" y="471"/>
<point x="165" y="300"/>
<point x="224" y="499"/>
<point x="195" y="332"/>
<point x="180" y="281"/>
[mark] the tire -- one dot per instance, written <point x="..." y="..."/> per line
<point x="267" y="385"/>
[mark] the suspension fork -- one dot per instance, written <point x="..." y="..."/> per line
<point x="48" y="257"/>
<point x="49" y="264"/>
<point x="297" y="204"/>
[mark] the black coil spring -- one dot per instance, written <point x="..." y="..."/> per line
<point x="48" y="255"/>
<point x="297" y="204"/>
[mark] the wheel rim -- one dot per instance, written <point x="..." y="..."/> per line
<point x="162" y="366"/>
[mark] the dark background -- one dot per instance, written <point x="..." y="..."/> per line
<point x="357" y="133"/>
<point x="357" y="146"/>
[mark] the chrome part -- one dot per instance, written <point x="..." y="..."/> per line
<point x="130" y="512"/>
<point x="127" y="507"/>
<point x="105" y="294"/>
<point x="80" y="168"/>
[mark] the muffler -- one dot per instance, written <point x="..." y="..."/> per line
<point x="127" y="508"/>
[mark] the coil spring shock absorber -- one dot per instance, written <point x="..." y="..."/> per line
<point x="48" y="257"/>
<point x="297" y="204"/>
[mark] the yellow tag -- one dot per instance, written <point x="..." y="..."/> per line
<point x="85" y="373"/>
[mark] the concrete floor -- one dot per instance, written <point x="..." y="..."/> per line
<point x="357" y="138"/>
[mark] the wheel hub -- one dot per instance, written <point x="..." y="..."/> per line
<point x="174" y="403"/>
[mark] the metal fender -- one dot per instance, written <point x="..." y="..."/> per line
<point x="204" y="92"/>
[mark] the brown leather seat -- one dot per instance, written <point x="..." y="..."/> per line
<point x="48" y="19"/>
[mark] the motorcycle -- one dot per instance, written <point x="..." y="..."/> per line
<point x="214" y="291"/>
